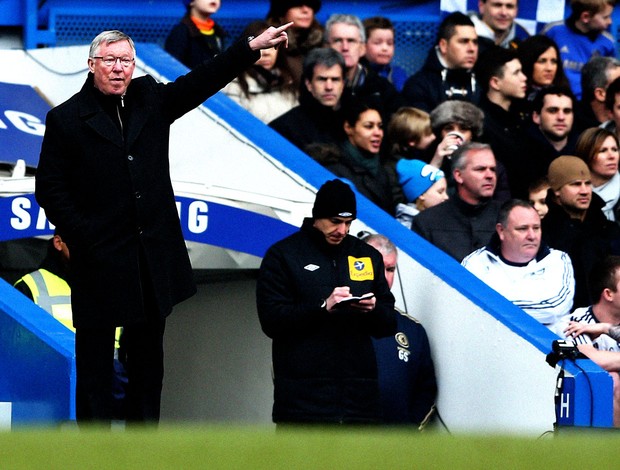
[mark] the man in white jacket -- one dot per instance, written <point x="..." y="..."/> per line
<point x="516" y="263"/>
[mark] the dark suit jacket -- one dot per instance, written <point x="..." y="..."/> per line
<point x="111" y="196"/>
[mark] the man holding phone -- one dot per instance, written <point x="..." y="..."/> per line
<point x="323" y="359"/>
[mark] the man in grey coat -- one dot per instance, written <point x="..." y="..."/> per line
<point x="103" y="180"/>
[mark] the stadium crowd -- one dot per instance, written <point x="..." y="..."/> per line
<point x="502" y="150"/>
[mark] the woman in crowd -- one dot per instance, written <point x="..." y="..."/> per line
<point x="360" y="160"/>
<point x="306" y="33"/>
<point x="540" y="60"/>
<point x="266" y="89"/>
<point x="599" y="149"/>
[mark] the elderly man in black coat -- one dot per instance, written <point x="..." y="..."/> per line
<point x="103" y="180"/>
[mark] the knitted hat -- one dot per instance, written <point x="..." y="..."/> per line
<point x="565" y="169"/>
<point x="416" y="177"/>
<point x="278" y="8"/>
<point x="334" y="199"/>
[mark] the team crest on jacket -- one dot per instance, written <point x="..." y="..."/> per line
<point x="360" y="269"/>
<point x="403" y="346"/>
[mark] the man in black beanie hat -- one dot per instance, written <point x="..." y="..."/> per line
<point x="308" y="299"/>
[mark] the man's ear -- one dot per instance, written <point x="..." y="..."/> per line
<point x="535" y="118"/>
<point x="443" y="46"/>
<point x="91" y="65"/>
<point x="599" y="94"/>
<point x="308" y="87"/>
<point x="499" y="228"/>
<point x="457" y="175"/>
<point x="494" y="83"/>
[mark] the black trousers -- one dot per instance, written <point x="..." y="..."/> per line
<point x="142" y="355"/>
<point x="142" y="346"/>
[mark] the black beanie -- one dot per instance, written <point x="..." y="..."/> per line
<point x="278" y="8"/>
<point x="334" y="199"/>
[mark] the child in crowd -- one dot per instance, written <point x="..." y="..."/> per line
<point x="583" y="35"/>
<point x="424" y="186"/>
<point x="380" y="50"/>
<point x="537" y="195"/>
<point x="196" y="37"/>
<point x="408" y="135"/>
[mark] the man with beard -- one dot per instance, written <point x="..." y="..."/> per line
<point x="575" y="222"/>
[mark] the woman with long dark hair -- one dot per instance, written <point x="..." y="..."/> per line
<point x="267" y="88"/>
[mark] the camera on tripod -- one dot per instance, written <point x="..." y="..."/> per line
<point x="563" y="349"/>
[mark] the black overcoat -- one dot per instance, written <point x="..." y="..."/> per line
<point x="110" y="194"/>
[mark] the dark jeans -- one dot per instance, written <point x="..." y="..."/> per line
<point x="143" y="359"/>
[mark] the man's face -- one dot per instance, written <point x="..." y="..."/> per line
<point x="346" y="39"/>
<point x="520" y="237"/>
<point x="326" y="85"/>
<point x="575" y="197"/>
<point x="556" y="117"/>
<point x="334" y="228"/>
<point x="599" y="21"/>
<point x="514" y="82"/>
<point x="389" y="262"/>
<point x="498" y="14"/>
<point x="476" y="181"/>
<point x="461" y="50"/>
<point x="380" y="46"/>
<point x="113" y="79"/>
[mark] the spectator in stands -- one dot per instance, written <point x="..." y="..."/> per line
<point x="105" y="183"/>
<point x="318" y="118"/>
<point x="423" y="185"/>
<point x="503" y="83"/>
<point x="49" y="287"/>
<point x="599" y="149"/>
<point x="495" y="24"/>
<point x="540" y="60"/>
<point x="594" y="329"/>
<point x="583" y="35"/>
<point x="522" y="268"/>
<point x="537" y="196"/>
<point x="612" y="103"/>
<point x="550" y="134"/>
<point x="407" y="383"/>
<point x="360" y="161"/>
<point x="324" y="365"/>
<point x="456" y="122"/>
<point x="346" y="34"/>
<point x="306" y="33"/>
<point x="197" y="37"/>
<point x="410" y="136"/>
<point x="575" y="222"/>
<point x="380" y="50"/>
<point x="596" y="75"/>
<point x="266" y="89"/>
<point x="447" y="73"/>
<point x="466" y="221"/>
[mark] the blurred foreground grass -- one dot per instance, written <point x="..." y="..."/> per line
<point x="214" y="447"/>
